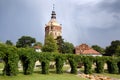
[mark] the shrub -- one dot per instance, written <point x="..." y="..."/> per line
<point x="112" y="65"/>
<point x="10" y="58"/>
<point x="28" y="59"/>
<point x="99" y="64"/>
<point x="60" y="59"/>
<point x="73" y="63"/>
<point x="45" y="61"/>
<point x="88" y="60"/>
<point x="118" y="64"/>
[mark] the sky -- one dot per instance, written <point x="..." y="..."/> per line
<point x="94" y="22"/>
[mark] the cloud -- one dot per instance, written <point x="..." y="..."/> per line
<point x="83" y="21"/>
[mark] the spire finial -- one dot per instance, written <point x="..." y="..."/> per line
<point x="53" y="7"/>
<point x="53" y="15"/>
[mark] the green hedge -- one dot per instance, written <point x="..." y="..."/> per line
<point x="73" y="63"/>
<point x="118" y="64"/>
<point x="28" y="59"/>
<point x="11" y="55"/>
<point x="59" y="59"/>
<point x="88" y="61"/>
<point x="45" y="58"/>
<point x="100" y="61"/>
<point x="112" y="65"/>
<point x="10" y="58"/>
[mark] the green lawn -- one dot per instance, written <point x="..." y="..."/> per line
<point x="37" y="76"/>
<point x="52" y="76"/>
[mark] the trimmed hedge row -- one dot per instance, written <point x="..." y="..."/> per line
<point x="11" y="55"/>
<point x="10" y="58"/>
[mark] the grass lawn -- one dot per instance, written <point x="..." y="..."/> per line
<point x="52" y="76"/>
<point x="37" y="76"/>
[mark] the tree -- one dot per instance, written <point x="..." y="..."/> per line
<point x="113" y="49"/>
<point x="8" y="42"/>
<point x="25" y="41"/>
<point x="60" y="43"/>
<point x="68" y="47"/>
<point x="50" y="44"/>
<point x="98" y="48"/>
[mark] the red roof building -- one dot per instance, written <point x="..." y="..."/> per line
<point x="84" y="49"/>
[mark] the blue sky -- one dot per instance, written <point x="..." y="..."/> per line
<point x="83" y="21"/>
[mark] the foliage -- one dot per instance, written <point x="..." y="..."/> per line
<point x="112" y="65"/>
<point x="45" y="61"/>
<point x="8" y="42"/>
<point x="68" y="47"/>
<point x="50" y="44"/>
<point x="113" y="49"/>
<point x="100" y="61"/>
<point x="28" y="58"/>
<point x="98" y="48"/>
<point x="73" y="63"/>
<point x="118" y="51"/>
<point x="10" y="58"/>
<point x="60" y="59"/>
<point x="88" y="60"/>
<point x="25" y="41"/>
<point x="118" y="64"/>
<point x="60" y="43"/>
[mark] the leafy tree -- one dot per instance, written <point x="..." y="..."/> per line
<point x="50" y="44"/>
<point x="118" y="51"/>
<point x="68" y="47"/>
<point x="8" y="42"/>
<point x="25" y="41"/>
<point x="113" y="49"/>
<point x="60" y="43"/>
<point x="98" y="48"/>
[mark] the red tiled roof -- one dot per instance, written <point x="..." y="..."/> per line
<point x="90" y="51"/>
<point x="85" y="49"/>
<point x="37" y="47"/>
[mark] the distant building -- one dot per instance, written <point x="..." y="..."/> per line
<point x="53" y="27"/>
<point x="37" y="48"/>
<point x="84" y="49"/>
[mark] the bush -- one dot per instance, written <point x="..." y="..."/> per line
<point x="28" y="58"/>
<point x="118" y="64"/>
<point x="112" y="65"/>
<point x="99" y="64"/>
<point x="73" y="63"/>
<point x="88" y="64"/>
<point x="10" y="58"/>
<point x="60" y="59"/>
<point x="45" y="61"/>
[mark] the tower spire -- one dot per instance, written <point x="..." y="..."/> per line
<point x="53" y="7"/>
<point x="53" y="15"/>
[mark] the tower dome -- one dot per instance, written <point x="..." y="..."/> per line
<point x="53" y="27"/>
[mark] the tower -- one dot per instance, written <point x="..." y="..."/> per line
<point x="53" y="27"/>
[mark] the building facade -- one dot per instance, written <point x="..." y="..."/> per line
<point x="84" y="49"/>
<point x="53" y="27"/>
